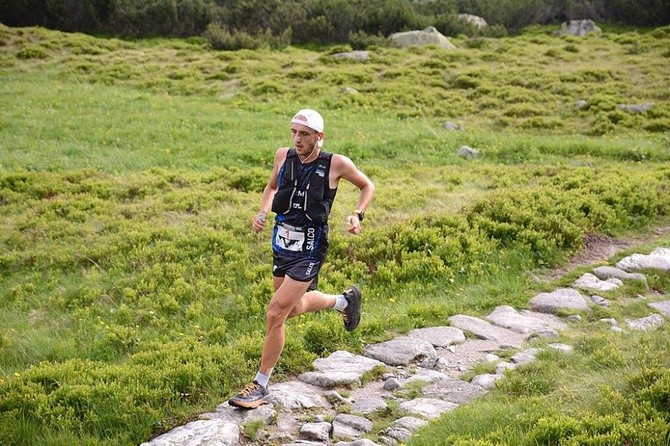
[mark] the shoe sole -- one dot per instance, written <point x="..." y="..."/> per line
<point x="248" y="405"/>
<point x="358" y="302"/>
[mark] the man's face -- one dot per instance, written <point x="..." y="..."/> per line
<point x="304" y="138"/>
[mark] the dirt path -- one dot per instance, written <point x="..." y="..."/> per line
<point x="600" y="247"/>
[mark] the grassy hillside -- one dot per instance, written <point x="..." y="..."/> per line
<point x="132" y="291"/>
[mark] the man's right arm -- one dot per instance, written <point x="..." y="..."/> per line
<point x="258" y="222"/>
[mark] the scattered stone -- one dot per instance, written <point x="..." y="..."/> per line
<point x="400" y="351"/>
<point x="490" y="357"/>
<point x="361" y="56"/>
<point x="610" y="321"/>
<point x="609" y="272"/>
<point x="636" y="108"/>
<point x="402" y="428"/>
<point x="366" y="406"/>
<point x="361" y="442"/>
<point x="454" y="391"/>
<point x="426" y="407"/>
<point x="560" y="299"/>
<point x="547" y="333"/>
<point x="500" y="369"/>
<point x="334" y="397"/>
<point x="475" y="20"/>
<point x="600" y="301"/>
<point x="350" y="426"/>
<point x="563" y="348"/>
<point x="574" y="318"/>
<point x="392" y="384"/>
<point x="579" y="28"/>
<point x="428" y="36"/>
<point x="316" y="431"/>
<point x="581" y="103"/>
<point x="426" y="375"/>
<point x="434" y="363"/>
<point x="450" y="126"/>
<point x="468" y="152"/>
<point x="589" y="281"/>
<point x="438" y="336"/>
<point x="349" y="90"/>
<point x="617" y="329"/>
<point x="527" y="355"/>
<point x="485" y="381"/>
<point x="646" y="323"/>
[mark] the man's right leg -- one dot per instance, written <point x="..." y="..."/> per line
<point x="288" y="294"/>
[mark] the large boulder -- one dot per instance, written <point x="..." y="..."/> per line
<point x="579" y="28"/>
<point x="475" y="20"/>
<point x="428" y="36"/>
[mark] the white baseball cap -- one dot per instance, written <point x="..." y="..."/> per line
<point x="310" y="118"/>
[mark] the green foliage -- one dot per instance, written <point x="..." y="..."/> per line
<point x="327" y="21"/>
<point x="220" y="38"/>
<point x="129" y="171"/>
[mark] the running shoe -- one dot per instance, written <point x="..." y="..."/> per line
<point x="352" y="314"/>
<point x="252" y="396"/>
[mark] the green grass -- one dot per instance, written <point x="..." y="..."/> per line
<point x="129" y="172"/>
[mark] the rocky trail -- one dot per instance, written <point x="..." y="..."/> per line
<point x="420" y="373"/>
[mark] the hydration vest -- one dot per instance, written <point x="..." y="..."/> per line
<point x="308" y="193"/>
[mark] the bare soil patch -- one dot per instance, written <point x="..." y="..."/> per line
<point x="598" y="248"/>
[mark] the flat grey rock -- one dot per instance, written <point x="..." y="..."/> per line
<point x="507" y="317"/>
<point x="296" y="395"/>
<point x="527" y="355"/>
<point x="610" y="272"/>
<point x="646" y="323"/>
<point x="347" y="426"/>
<point x="482" y="329"/>
<point x="485" y="380"/>
<point x="200" y="433"/>
<point x="663" y="307"/>
<point x="369" y="405"/>
<point x="426" y="407"/>
<point x="402" y="428"/>
<point x="589" y="281"/>
<point x="439" y="336"/>
<point x="658" y="259"/>
<point x="339" y="369"/>
<point x="563" y="348"/>
<point x="428" y="36"/>
<point x="559" y="299"/>
<point x="316" y="431"/>
<point x="400" y="351"/>
<point x="454" y="391"/>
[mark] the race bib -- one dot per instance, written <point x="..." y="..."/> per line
<point x="289" y="240"/>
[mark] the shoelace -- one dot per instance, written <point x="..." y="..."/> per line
<point x="249" y="389"/>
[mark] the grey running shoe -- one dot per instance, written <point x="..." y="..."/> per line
<point x="252" y="396"/>
<point x="352" y="314"/>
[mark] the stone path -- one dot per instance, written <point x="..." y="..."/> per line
<point x="417" y="376"/>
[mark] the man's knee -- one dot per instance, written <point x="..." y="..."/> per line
<point x="275" y="315"/>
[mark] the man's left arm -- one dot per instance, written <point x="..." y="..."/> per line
<point x="345" y="168"/>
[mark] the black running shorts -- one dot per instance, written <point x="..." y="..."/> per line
<point x="302" y="269"/>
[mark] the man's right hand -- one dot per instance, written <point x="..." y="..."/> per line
<point x="258" y="222"/>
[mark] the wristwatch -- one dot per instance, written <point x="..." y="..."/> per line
<point x="361" y="214"/>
